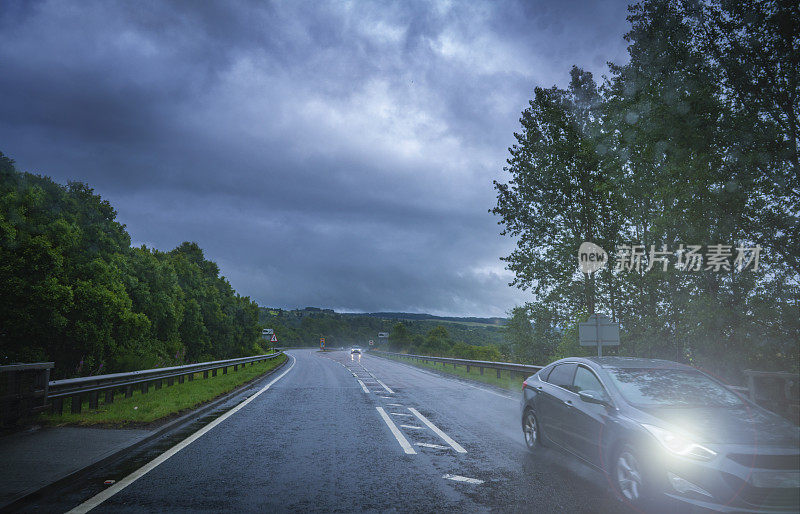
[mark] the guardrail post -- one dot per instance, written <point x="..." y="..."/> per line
<point x="157" y="384"/>
<point x="170" y="381"/>
<point x="93" y="400"/>
<point x="454" y="365"/>
<point x="180" y="379"/>
<point x="214" y="372"/>
<point x="75" y="408"/>
<point x="481" y="370"/>
<point x="58" y="406"/>
<point x="128" y="391"/>
<point x="109" y="396"/>
<point x="498" y="373"/>
<point x="190" y="377"/>
<point x="205" y="374"/>
<point x="467" y="368"/>
<point x="225" y="370"/>
<point x="145" y="387"/>
<point x="235" y="367"/>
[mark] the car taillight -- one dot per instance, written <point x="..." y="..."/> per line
<point x="524" y="384"/>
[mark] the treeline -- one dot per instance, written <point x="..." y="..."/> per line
<point x="693" y="142"/>
<point x="73" y="291"/>
<point x="438" y="343"/>
<point x="305" y="327"/>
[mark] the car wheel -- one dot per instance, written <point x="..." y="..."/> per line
<point x="530" y="429"/>
<point x="629" y="476"/>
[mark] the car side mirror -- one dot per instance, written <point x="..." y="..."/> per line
<point x="592" y="397"/>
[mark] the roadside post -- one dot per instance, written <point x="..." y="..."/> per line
<point x="598" y="331"/>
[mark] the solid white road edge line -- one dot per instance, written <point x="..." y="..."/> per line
<point x="396" y="432"/>
<point x="363" y="386"/>
<point x="104" y="495"/>
<point x="459" y="478"/>
<point x="446" y="438"/>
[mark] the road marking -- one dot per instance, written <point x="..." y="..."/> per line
<point x="412" y="426"/>
<point x="396" y="432"/>
<point x="384" y="386"/>
<point x="437" y="446"/>
<point x="388" y="398"/>
<point x="400" y="414"/>
<point x="459" y="478"/>
<point x="363" y="387"/>
<point x="457" y="447"/>
<point x="392" y="404"/>
<point x="104" y="495"/>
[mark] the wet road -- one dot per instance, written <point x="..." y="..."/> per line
<point x="339" y="434"/>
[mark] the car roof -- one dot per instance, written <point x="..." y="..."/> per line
<point x="636" y="362"/>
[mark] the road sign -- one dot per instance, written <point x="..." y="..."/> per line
<point x="322" y="342"/>
<point x="274" y="339"/>
<point x="267" y="332"/>
<point x="383" y="335"/>
<point x="598" y="331"/>
<point x="371" y="342"/>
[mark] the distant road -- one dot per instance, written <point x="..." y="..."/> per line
<point x="390" y="438"/>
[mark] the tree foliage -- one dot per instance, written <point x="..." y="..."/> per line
<point x="73" y="291"/>
<point x="693" y="141"/>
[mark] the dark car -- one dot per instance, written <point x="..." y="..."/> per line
<point x="662" y="431"/>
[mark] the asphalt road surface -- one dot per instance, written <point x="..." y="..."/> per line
<point x="337" y="433"/>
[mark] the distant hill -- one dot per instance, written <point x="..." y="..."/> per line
<point x="423" y="316"/>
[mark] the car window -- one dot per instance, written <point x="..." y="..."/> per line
<point x="562" y="375"/>
<point x="585" y="380"/>
<point x="671" y="388"/>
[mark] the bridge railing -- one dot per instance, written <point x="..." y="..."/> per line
<point x="79" y="389"/>
<point x="499" y="367"/>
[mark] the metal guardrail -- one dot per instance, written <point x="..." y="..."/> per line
<point x="23" y="389"/>
<point x="79" y="388"/>
<point x="481" y="365"/>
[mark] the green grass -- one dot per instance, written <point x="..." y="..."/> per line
<point x="141" y="408"/>
<point x="507" y="380"/>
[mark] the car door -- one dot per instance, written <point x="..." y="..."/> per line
<point x="584" y="421"/>
<point x="552" y="405"/>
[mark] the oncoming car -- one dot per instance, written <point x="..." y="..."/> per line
<point x="355" y="350"/>
<point x="663" y="431"/>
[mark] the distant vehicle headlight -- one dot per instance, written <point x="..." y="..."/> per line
<point x="678" y="445"/>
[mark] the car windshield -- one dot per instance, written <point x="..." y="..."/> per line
<point x="649" y="387"/>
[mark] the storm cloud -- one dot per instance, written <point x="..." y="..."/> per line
<point x="330" y="154"/>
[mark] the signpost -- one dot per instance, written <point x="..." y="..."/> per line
<point x="598" y="331"/>
<point x="322" y="342"/>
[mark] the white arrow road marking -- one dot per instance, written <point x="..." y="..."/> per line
<point x="459" y="478"/>
<point x="396" y="432"/>
<point x="102" y="496"/>
<point x="457" y="447"/>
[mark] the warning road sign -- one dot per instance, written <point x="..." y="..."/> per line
<point x="274" y="339"/>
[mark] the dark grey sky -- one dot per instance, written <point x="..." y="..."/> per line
<point x="331" y="154"/>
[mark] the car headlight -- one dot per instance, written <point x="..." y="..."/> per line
<point x="679" y="445"/>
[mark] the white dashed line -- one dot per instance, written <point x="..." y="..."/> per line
<point x="459" y="478"/>
<point x="412" y="426"/>
<point x="363" y="386"/>
<point x="393" y="404"/>
<point x="400" y="414"/>
<point x="446" y="438"/>
<point x="396" y="432"/>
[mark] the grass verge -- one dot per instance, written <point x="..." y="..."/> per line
<point x="158" y="404"/>
<point x="507" y="380"/>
